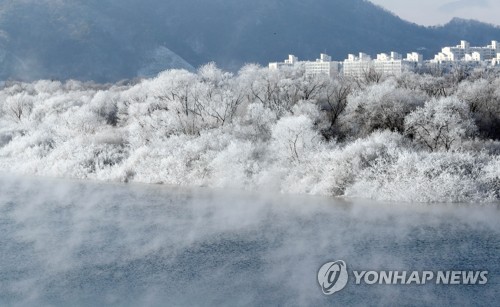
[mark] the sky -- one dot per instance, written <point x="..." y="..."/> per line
<point x="435" y="12"/>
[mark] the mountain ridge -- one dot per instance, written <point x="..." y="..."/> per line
<point x="109" y="40"/>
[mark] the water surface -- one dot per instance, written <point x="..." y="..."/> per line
<point x="88" y="244"/>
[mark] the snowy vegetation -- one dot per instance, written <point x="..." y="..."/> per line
<point x="418" y="137"/>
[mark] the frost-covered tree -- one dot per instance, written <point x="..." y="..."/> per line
<point x="442" y="124"/>
<point x="217" y="97"/>
<point x="279" y="90"/>
<point x="18" y="107"/>
<point x="333" y="102"/>
<point x="483" y="98"/>
<point x="436" y="86"/>
<point x="294" y="137"/>
<point x="370" y="76"/>
<point x="379" y="107"/>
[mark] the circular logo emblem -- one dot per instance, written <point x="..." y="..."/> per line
<point x="333" y="277"/>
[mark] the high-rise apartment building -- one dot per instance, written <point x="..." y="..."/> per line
<point x="464" y="52"/>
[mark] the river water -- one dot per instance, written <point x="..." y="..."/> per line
<point x="89" y="244"/>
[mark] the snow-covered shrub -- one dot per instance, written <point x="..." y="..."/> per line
<point x="31" y="145"/>
<point x="430" y="177"/>
<point x="293" y="137"/>
<point x="256" y="123"/>
<point x="104" y="104"/>
<point x="47" y="86"/>
<point x="236" y="165"/>
<point x="350" y="161"/>
<point x="17" y="107"/>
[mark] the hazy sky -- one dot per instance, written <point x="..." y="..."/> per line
<point x="433" y="12"/>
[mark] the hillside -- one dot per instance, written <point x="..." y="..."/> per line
<point x="109" y="40"/>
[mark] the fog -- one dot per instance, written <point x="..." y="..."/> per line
<point x="87" y="244"/>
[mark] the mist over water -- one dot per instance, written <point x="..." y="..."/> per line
<point x="89" y="244"/>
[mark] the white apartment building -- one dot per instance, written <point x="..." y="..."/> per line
<point x="386" y="64"/>
<point x="496" y="61"/>
<point x="357" y="66"/>
<point x="415" y="57"/>
<point x="290" y="62"/>
<point x="394" y="64"/>
<point x="464" y="52"/>
<point x="322" y="66"/>
<point x="389" y="64"/>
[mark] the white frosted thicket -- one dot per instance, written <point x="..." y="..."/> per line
<point x="411" y="138"/>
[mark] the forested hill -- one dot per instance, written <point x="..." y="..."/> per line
<point x="108" y="40"/>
